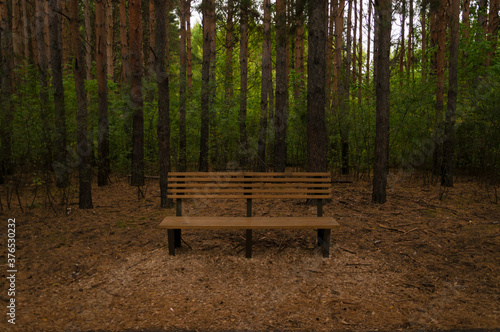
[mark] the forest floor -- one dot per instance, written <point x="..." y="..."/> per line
<point x="426" y="260"/>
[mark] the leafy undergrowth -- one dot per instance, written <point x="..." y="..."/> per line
<point x="416" y="262"/>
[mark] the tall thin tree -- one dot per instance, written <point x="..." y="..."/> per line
<point x="136" y="67"/>
<point x="124" y="42"/>
<point x="181" y="164"/>
<point x="162" y="80"/>
<point x="208" y="16"/>
<point x="102" y="93"/>
<point x="266" y="91"/>
<point x="449" y="126"/>
<point x="383" y="13"/>
<point x="280" y="116"/>
<point x="316" y="84"/>
<point x="243" y="145"/>
<point x="61" y="170"/>
<point x="83" y="146"/>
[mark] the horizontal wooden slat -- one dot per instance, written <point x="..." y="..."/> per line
<point x="240" y="179"/>
<point x="186" y="222"/>
<point x="239" y="174"/>
<point x="251" y="185"/>
<point x="252" y="191"/>
<point x="257" y="196"/>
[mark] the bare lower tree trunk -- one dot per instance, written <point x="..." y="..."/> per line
<point x="266" y="91"/>
<point x="368" y="42"/>
<point x="189" y="56"/>
<point x="7" y="111"/>
<point x="61" y="170"/>
<point x="345" y="91"/>
<point x="316" y="79"/>
<point x="208" y="7"/>
<point x="299" y="49"/>
<point x="152" y="38"/>
<point x="102" y="92"/>
<point x="440" y="71"/>
<point x="162" y="80"/>
<point x="280" y="118"/>
<point x="136" y="67"/>
<point x="109" y="39"/>
<point x="124" y="43"/>
<point x="43" y="72"/>
<point x="182" y="88"/>
<point x="449" y="126"/>
<point x="243" y="148"/>
<point x="339" y="27"/>
<point x="493" y="25"/>
<point x="88" y="40"/>
<point x="423" y="24"/>
<point x="83" y="147"/>
<point x="382" y="90"/>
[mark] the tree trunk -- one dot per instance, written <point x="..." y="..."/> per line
<point x="208" y="7"/>
<point x="266" y="91"/>
<point x="409" y="62"/>
<point x="109" y="39"/>
<point x="299" y="49"/>
<point x="162" y="80"/>
<point x="43" y="70"/>
<point x="345" y="91"/>
<point x="383" y="11"/>
<point x="26" y="32"/>
<point x="152" y="39"/>
<point x="449" y="127"/>
<point x="182" y="89"/>
<point x="61" y="170"/>
<point x="466" y="20"/>
<point x="6" y="107"/>
<point x="189" y="56"/>
<point x="493" y="24"/>
<point x="440" y="70"/>
<point x="243" y="148"/>
<point x="483" y="17"/>
<point x="229" y="56"/>
<point x="16" y="32"/>
<point x="124" y="43"/>
<point x="83" y="147"/>
<point x="280" y="117"/>
<point x="403" y="47"/>
<point x="102" y="92"/>
<point x="360" y="52"/>
<point x="368" y="43"/>
<point x="423" y="24"/>
<point x="339" y="6"/>
<point x="316" y="79"/>
<point x="88" y="40"/>
<point x="136" y="67"/>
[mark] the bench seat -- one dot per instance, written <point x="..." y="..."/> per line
<point x="188" y="222"/>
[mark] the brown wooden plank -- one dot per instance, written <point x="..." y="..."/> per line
<point x="252" y="191"/>
<point x="253" y="185"/>
<point x="256" y="196"/>
<point x="250" y="180"/>
<point x="186" y="222"/>
<point x="239" y="174"/>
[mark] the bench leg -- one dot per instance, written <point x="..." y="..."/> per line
<point x="177" y="239"/>
<point x="171" y="242"/>
<point x="324" y="241"/>
<point x="248" y="246"/>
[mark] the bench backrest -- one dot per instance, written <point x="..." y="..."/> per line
<point x="249" y="185"/>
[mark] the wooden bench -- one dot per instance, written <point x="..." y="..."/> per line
<point x="249" y="186"/>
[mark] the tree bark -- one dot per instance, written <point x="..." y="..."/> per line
<point x="449" y="126"/>
<point x="493" y="25"/>
<point x="440" y="71"/>
<point x="124" y="43"/>
<point x="43" y="71"/>
<point x="182" y="89"/>
<point x="368" y="43"/>
<point x="402" y="50"/>
<point x="88" y="40"/>
<point x="162" y="80"/>
<point x="189" y="56"/>
<point x="316" y="83"/>
<point x="16" y="32"/>
<point x="61" y="170"/>
<point x="83" y="147"/>
<point x="423" y="24"/>
<point x="229" y="56"/>
<point x="152" y="38"/>
<point x="280" y="117"/>
<point x="266" y="91"/>
<point x="102" y="92"/>
<point x="109" y="39"/>
<point x="136" y="67"/>
<point x="409" y="62"/>
<point x="6" y="107"/>
<point x="299" y="49"/>
<point x="243" y="148"/>
<point x="208" y="7"/>
<point x="339" y="27"/>
<point x="360" y="52"/>
<point x="383" y="11"/>
<point x="345" y="91"/>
